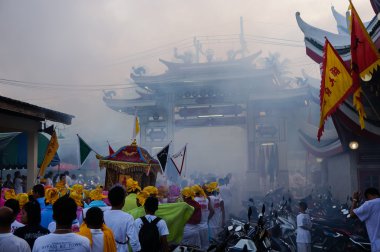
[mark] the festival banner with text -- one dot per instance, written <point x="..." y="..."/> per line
<point x="336" y="84"/>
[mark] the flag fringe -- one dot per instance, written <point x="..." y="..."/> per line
<point x="371" y="69"/>
<point x="357" y="101"/>
<point x="323" y="119"/>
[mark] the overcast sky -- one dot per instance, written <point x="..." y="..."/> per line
<point x="94" y="43"/>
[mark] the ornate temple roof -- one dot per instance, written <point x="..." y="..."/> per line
<point x="346" y="117"/>
<point x="185" y="74"/>
<point x="315" y="37"/>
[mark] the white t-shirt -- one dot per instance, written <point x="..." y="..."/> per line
<point x="49" y="182"/>
<point x="62" y="242"/>
<point x="303" y="226"/>
<point x="161" y="225"/>
<point x="369" y="213"/>
<point x="204" y="206"/>
<point x="15" y="225"/>
<point x="121" y="224"/>
<point x="97" y="240"/>
<point x="18" y="185"/>
<point x="74" y="226"/>
<point x="216" y="219"/>
<point x="10" y="242"/>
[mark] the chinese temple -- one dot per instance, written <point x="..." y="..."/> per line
<point x="235" y="92"/>
<point x="350" y="157"/>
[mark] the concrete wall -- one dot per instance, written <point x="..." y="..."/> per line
<point x="341" y="176"/>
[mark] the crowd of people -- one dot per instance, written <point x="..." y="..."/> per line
<point x="124" y="218"/>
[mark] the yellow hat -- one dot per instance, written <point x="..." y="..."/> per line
<point x="97" y="194"/>
<point x="51" y="195"/>
<point x="9" y="194"/>
<point x="142" y="196"/>
<point x="151" y="191"/>
<point x="86" y="193"/>
<point x="132" y="185"/>
<point x="187" y="192"/>
<point x="197" y="189"/>
<point x="77" y="198"/>
<point x="62" y="191"/>
<point x="212" y="187"/>
<point x="22" y="199"/>
<point x="77" y="188"/>
<point x="60" y="184"/>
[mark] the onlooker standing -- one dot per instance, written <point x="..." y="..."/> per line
<point x="303" y="229"/>
<point x="150" y="225"/>
<point x="39" y="195"/>
<point x="63" y="239"/>
<point x="51" y="196"/>
<point x="121" y="223"/>
<point x="369" y="213"/>
<point x="17" y="181"/>
<point x="8" y="241"/>
<point x="15" y="206"/>
<point x="74" y="179"/>
<point x="8" y="183"/>
<point x="192" y="232"/>
<point x="31" y="217"/>
<point x="100" y="236"/>
<point x="68" y="178"/>
<point x="48" y="178"/>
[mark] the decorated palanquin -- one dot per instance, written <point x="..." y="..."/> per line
<point x="130" y="161"/>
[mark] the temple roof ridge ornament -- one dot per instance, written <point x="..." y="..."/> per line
<point x="341" y="21"/>
<point x="317" y="34"/>
<point x="185" y="65"/>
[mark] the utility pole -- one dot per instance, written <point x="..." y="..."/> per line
<point x="243" y="43"/>
<point x="198" y="48"/>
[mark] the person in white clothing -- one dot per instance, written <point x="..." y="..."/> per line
<point x="160" y="243"/>
<point x="63" y="239"/>
<point x="15" y="206"/>
<point x="303" y="229"/>
<point x="17" y="181"/>
<point x="120" y="222"/>
<point x="207" y="212"/>
<point x="191" y="232"/>
<point x="369" y="213"/>
<point x="8" y="241"/>
<point x="216" y="221"/>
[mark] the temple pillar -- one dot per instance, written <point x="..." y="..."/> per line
<point x="32" y="158"/>
<point x="282" y="179"/>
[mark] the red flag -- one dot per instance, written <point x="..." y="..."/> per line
<point x="365" y="59"/>
<point x="110" y="150"/>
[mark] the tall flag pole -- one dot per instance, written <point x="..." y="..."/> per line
<point x="336" y="84"/>
<point x="365" y="59"/>
<point x="50" y="153"/>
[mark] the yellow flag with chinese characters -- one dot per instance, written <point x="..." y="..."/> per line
<point x="49" y="154"/>
<point x="137" y="126"/>
<point x="336" y="84"/>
